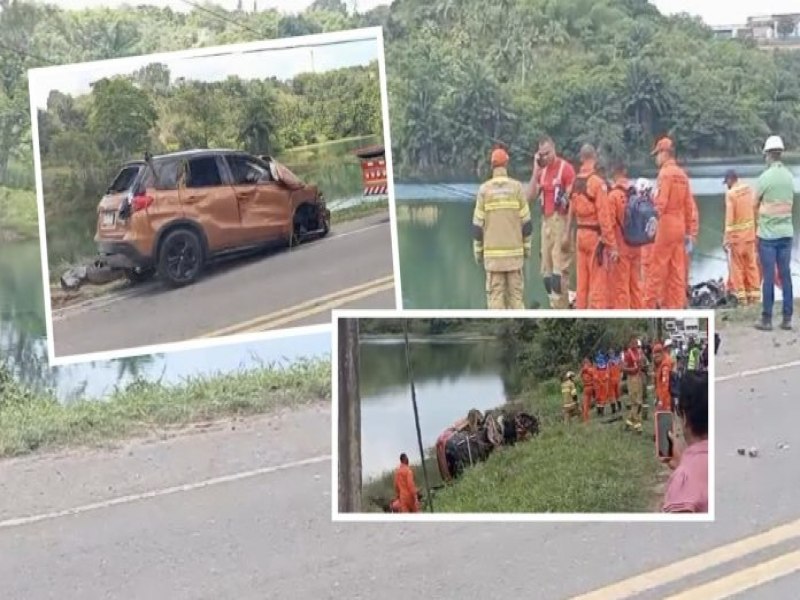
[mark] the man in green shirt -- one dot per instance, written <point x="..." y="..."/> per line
<point x="775" y="197"/>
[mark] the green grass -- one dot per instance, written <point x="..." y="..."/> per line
<point x="594" y="468"/>
<point x="31" y="422"/>
<point x="359" y="211"/>
<point x="18" y="215"/>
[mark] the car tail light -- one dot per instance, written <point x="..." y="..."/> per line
<point x="141" y="202"/>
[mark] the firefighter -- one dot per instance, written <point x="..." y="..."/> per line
<point x="666" y="281"/>
<point x="569" y="397"/>
<point x="625" y="287"/>
<point x="615" y="381"/>
<point x="404" y="487"/>
<point x="552" y="181"/>
<point x="596" y="240"/>
<point x="587" y="378"/>
<point x="633" y="366"/>
<point x="601" y="383"/>
<point x="502" y="231"/>
<point x="740" y="239"/>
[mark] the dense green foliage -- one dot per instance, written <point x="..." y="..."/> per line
<point x="613" y="72"/>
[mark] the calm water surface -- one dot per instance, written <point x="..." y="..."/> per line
<point x="450" y="379"/>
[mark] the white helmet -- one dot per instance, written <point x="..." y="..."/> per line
<point x="774" y="142"/>
<point x="668" y="343"/>
<point x="642" y="186"/>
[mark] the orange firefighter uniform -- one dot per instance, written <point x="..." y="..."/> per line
<point x="663" y="368"/>
<point x="740" y="241"/>
<point x="502" y="232"/>
<point x="694" y="228"/>
<point x="666" y="279"/>
<point x="405" y="490"/>
<point x="587" y="378"/>
<point x="626" y="275"/>
<point x="596" y="242"/>
<point x="601" y="386"/>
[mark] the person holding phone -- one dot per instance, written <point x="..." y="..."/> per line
<point x="687" y="488"/>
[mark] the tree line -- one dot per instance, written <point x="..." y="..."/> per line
<point x="539" y="348"/>
<point x="463" y="73"/>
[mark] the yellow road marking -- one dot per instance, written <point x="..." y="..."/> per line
<point x="696" y="564"/>
<point x="743" y="580"/>
<point x="307" y="309"/>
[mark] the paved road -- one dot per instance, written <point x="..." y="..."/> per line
<point x="268" y="534"/>
<point x="350" y="269"/>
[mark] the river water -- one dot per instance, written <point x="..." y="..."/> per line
<point x="450" y="378"/>
<point x="434" y="239"/>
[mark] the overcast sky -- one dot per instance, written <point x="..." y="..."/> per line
<point x="283" y="64"/>
<point x="713" y="12"/>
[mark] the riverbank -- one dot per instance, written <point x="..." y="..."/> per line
<point x="18" y="215"/>
<point x="33" y="422"/>
<point x="594" y="468"/>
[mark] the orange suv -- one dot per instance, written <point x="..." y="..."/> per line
<point x="174" y="213"/>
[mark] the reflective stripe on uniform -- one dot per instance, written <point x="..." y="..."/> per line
<point x="743" y="226"/>
<point x="503" y="252"/>
<point x="502" y="204"/>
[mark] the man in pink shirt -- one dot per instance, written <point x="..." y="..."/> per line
<point x="687" y="488"/>
<point x="551" y="182"/>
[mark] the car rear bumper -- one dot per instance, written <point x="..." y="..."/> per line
<point x="123" y="255"/>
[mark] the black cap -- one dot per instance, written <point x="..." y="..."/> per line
<point x="730" y="175"/>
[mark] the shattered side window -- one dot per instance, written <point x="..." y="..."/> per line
<point x="124" y="179"/>
<point x="167" y="175"/>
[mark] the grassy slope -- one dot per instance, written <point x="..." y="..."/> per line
<point x="576" y="468"/>
<point x="29" y="422"/>
<point x="18" y="214"/>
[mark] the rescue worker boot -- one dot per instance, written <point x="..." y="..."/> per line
<point x="600" y="410"/>
<point x="619" y="405"/>
<point x="613" y="408"/>
<point x="786" y="324"/>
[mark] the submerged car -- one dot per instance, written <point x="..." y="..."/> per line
<point x="172" y="214"/>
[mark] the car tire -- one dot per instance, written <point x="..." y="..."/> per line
<point x="300" y="223"/>
<point x="180" y="257"/>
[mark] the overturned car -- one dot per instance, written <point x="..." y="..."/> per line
<point x="473" y="439"/>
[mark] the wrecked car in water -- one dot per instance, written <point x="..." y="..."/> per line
<point x="173" y="214"/>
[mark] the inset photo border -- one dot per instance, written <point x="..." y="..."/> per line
<point x="331" y="200"/>
<point x="513" y="409"/>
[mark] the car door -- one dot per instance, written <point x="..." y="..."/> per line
<point x="209" y="200"/>
<point x="264" y="203"/>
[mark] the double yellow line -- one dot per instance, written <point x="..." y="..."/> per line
<point x="308" y="309"/>
<point x="724" y="587"/>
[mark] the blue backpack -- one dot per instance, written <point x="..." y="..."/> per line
<point x="641" y="219"/>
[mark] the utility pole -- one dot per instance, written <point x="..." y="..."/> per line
<point x="349" y="418"/>
<point x="416" y="416"/>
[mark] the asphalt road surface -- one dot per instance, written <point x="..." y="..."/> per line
<point x="350" y="269"/>
<point x="231" y="513"/>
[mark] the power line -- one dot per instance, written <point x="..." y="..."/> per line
<point x="221" y="17"/>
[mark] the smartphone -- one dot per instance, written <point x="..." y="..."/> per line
<point x="663" y="427"/>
